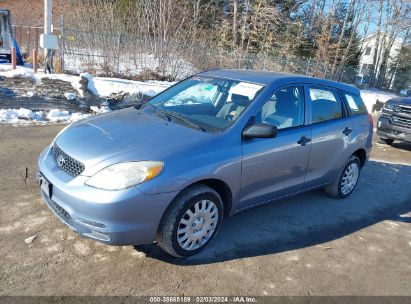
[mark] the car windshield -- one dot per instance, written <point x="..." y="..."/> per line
<point x="205" y="103"/>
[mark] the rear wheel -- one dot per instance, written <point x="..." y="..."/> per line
<point x="345" y="184"/>
<point x="191" y="221"/>
<point x="386" y="141"/>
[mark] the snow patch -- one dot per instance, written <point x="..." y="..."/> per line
<point x="57" y="115"/>
<point x="70" y="96"/>
<point x="104" y="87"/>
<point x="26" y="116"/>
<point x="371" y="96"/>
<point x="100" y="110"/>
<point x="15" y="115"/>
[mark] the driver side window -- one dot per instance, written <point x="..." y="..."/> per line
<point x="284" y="109"/>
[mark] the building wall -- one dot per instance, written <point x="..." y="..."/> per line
<point x="369" y="48"/>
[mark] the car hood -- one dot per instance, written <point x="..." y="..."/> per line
<point x="125" y="135"/>
<point x="406" y="101"/>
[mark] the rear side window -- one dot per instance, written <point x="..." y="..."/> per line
<point x="355" y="104"/>
<point x="325" y="105"/>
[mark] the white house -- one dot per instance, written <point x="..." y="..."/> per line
<point x="369" y="48"/>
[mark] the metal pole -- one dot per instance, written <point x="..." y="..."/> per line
<point x="37" y="38"/>
<point x="21" y="36"/>
<point x="28" y="41"/>
<point x="35" y="61"/>
<point x="48" y="5"/>
<point x="13" y="58"/>
<point x="62" y="42"/>
<point x="118" y="52"/>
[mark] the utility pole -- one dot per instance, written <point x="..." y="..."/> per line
<point x="49" y="41"/>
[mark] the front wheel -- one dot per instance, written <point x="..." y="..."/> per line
<point x="345" y="184"/>
<point x="191" y="221"/>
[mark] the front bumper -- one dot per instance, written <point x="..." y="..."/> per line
<point x="125" y="217"/>
<point x="386" y="129"/>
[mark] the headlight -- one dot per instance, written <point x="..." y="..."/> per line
<point x="388" y="106"/>
<point x="124" y="175"/>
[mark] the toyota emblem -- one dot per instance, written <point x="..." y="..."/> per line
<point x="61" y="160"/>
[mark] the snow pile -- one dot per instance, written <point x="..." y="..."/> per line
<point x="78" y="116"/>
<point x="371" y="97"/>
<point x="57" y="115"/>
<point x="128" y="65"/>
<point x="25" y="116"/>
<point x="100" y="110"/>
<point x="22" y="71"/>
<point x="104" y="87"/>
<point x="70" y="96"/>
<point x="16" y="115"/>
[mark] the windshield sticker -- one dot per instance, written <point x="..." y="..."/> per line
<point x="208" y="88"/>
<point x="246" y="89"/>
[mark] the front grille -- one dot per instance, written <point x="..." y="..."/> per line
<point x="66" y="162"/>
<point x="402" y="121"/>
<point x="403" y="109"/>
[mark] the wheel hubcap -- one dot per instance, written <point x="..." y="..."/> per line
<point x="350" y="178"/>
<point x="197" y="225"/>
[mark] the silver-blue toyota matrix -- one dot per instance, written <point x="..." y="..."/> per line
<point x="210" y="146"/>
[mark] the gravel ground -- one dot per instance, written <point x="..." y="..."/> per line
<point x="309" y="244"/>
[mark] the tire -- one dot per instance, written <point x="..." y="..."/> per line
<point x="200" y="196"/>
<point x="339" y="188"/>
<point x="385" y="141"/>
<point x="8" y="58"/>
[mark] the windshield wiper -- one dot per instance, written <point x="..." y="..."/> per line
<point x="180" y="117"/>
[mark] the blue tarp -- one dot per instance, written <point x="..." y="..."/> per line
<point x="20" y="60"/>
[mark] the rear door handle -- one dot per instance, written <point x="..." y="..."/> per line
<point x="347" y="131"/>
<point x="303" y="141"/>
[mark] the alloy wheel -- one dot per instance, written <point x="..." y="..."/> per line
<point x="350" y="178"/>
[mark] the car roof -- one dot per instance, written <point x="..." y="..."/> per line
<point x="278" y="79"/>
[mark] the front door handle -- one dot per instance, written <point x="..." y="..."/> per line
<point x="303" y="141"/>
<point x="347" y="131"/>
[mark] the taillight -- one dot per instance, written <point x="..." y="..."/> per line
<point x="370" y="120"/>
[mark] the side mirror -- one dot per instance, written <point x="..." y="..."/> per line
<point x="260" y="130"/>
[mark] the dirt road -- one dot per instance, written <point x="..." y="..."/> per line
<point x="305" y="245"/>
